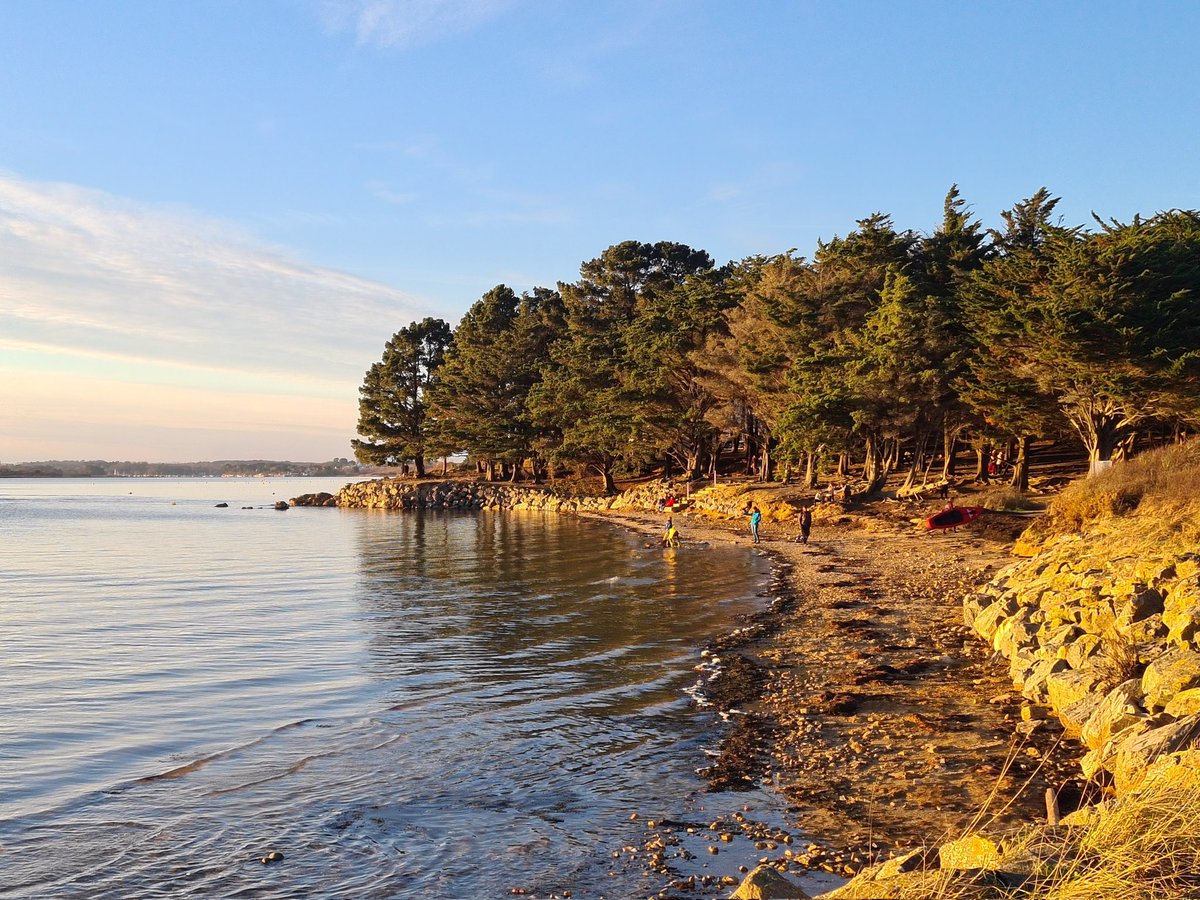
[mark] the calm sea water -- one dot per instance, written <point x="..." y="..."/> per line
<point x="402" y="704"/>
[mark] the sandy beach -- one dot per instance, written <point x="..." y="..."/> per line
<point x="860" y="696"/>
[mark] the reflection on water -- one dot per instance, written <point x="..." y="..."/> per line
<point x="438" y="705"/>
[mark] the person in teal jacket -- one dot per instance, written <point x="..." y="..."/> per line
<point x="755" y="519"/>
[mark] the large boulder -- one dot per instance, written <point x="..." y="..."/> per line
<point x="1120" y="708"/>
<point x="1080" y="650"/>
<point x="1174" y="671"/>
<point x="989" y="619"/>
<point x="1032" y="682"/>
<point x="1182" y="623"/>
<point x="1017" y="631"/>
<point x="971" y="852"/>
<point x="1184" y="704"/>
<point x="1067" y="687"/>
<point x="1138" y="602"/>
<point x="764" y="883"/>
<point x="1075" y="716"/>
<point x="1135" y="756"/>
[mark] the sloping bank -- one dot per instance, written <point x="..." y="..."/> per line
<point x="1100" y="623"/>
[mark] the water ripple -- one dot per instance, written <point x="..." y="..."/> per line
<point x="437" y="705"/>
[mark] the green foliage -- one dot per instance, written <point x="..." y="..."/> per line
<point x="611" y="380"/>
<point x="478" y="401"/>
<point x="886" y="344"/>
<point x="391" y="407"/>
<point x="1104" y="325"/>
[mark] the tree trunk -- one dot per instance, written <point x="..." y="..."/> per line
<point x="1127" y="447"/>
<point x="419" y="466"/>
<point x="843" y="464"/>
<point x="810" y="468"/>
<point x="610" y="484"/>
<point x="1104" y="439"/>
<point x="491" y="470"/>
<point x="917" y="464"/>
<point x="982" y="455"/>
<point x="1020" y="475"/>
<point x="874" y="471"/>
<point x="765" y="467"/>
<point x="949" y="446"/>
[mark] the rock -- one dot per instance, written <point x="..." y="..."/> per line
<point x="1135" y="756"/>
<point x="281" y="505"/>
<point x="222" y="506"/>
<point x="1017" y="631"/>
<point x="1067" y="687"/>
<point x="1117" y="711"/>
<point x="1184" y="704"/>
<point x="970" y="852"/>
<point x="765" y="882"/>
<point x="1077" y="714"/>
<point x="909" y="862"/>
<point x="1141" y="603"/>
<point x="1182" y="623"/>
<point x="1079" y="651"/>
<point x="1149" y="630"/>
<point x="989" y="620"/>
<point x="1178" y="774"/>
<point x="974" y="604"/>
<point x="1174" y="671"/>
<point x="1187" y="566"/>
<point x="1032" y="713"/>
<point x="1086" y="816"/>
<point x="1033" y="683"/>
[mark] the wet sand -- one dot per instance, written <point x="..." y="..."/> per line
<point x="861" y="698"/>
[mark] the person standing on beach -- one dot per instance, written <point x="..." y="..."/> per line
<point x="755" y="519"/>
<point x="670" y="537"/>
<point x="805" y="524"/>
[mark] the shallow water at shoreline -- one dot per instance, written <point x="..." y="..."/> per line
<point x="427" y="704"/>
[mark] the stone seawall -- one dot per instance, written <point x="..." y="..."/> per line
<point x="722" y="502"/>
<point x="1108" y="641"/>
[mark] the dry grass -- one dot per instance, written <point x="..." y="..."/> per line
<point x="1003" y="497"/>
<point x="1159" y="486"/>
<point x="1144" y="848"/>
<point x="1117" y="661"/>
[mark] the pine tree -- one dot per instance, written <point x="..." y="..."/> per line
<point x="478" y="399"/>
<point x="391" y="406"/>
<point x="592" y="397"/>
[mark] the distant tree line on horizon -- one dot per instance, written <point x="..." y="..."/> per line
<point x="221" y="468"/>
<point x="888" y="348"/>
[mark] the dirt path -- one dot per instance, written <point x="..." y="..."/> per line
<point x="866" y="703"/>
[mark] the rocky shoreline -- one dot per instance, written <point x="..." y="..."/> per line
<point x="866" y="703"/>
<point x="860" y="695"/>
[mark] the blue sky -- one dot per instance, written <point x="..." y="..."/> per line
<point x="213" y="214"/>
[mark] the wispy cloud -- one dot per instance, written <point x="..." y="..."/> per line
<point x="401" y="23"/>
<point x="102" y="287"/>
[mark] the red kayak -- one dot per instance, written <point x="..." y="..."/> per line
<point x="952" y="518"/>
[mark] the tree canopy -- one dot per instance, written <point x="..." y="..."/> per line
<point x="391" y="406"/>
<point x="888" y="345"/>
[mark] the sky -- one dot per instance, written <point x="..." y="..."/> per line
<point x="213" y="214"/>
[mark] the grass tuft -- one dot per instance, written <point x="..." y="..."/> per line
<point x="1003" y="497"/>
